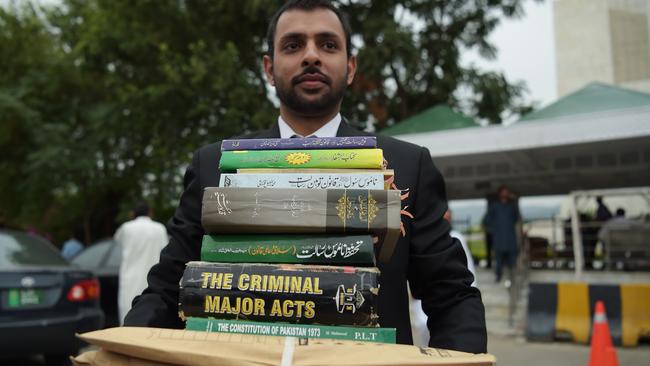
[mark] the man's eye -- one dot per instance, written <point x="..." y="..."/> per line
<point x="291" y="46"/>
<point x="330" y="45"/>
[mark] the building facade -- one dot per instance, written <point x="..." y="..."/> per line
<point x="602" y="40"/>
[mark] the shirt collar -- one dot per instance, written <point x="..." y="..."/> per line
<point x="328" y="130"/>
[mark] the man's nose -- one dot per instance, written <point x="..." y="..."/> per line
<point x="311" y="55"/>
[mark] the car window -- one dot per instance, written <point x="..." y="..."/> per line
<point x="20" y="249"/>
<point x="92" y="256"/>
<point x="115" y="257"/>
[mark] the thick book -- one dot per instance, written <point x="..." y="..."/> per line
<point x="305" y="181"/>
<point x="290" y="293"/>
<point x="228" y="210"/>
<point x="333" y="250"/>
<point x="361" y="334"/>
<point x="352" y="142"/>
<point x="334" y="158"/>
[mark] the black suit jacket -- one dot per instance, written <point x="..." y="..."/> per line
<point x="432" y="262"/>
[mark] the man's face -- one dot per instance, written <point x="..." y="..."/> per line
<point x="310" y="68"/>
<point x="504" y="194"/>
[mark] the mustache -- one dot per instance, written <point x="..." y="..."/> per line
<point x="311" y="71"/>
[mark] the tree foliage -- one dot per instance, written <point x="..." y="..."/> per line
<point x="102" y="102"/>
<point x="409" y="59"/>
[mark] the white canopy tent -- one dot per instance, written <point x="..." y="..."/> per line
<point x="609" y="149"/>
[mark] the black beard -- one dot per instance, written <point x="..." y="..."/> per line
<point x="326" y="103"/>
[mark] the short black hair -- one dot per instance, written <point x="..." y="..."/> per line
<point x="620" y="212"/>
<point x="308" y="5"/>
<point x="141" y="209"/>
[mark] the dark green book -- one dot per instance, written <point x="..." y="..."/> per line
<point x="362" y="334"/>
<point x="308" y="249"/>
<point x="290" y="293"/>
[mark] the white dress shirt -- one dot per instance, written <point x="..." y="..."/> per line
<point x="328" y="130"/>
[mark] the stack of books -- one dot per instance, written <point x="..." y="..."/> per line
<point x="291" y="236"/>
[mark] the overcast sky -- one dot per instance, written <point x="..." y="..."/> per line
<point x="526" y="50"/>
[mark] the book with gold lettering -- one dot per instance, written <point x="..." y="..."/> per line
<point x="352" y="250"/>
<point x="304" y="211"/>
<point x="291" y="293"/>
<point x="332" y="158"/>
<point x="359" y="334"/>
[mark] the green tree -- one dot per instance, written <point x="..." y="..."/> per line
<point x="112" y="99"/>
<point x="409" y="59"/>
<point x="102" y="102"/>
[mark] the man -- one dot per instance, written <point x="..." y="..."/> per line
<point x="501" y="221"/>
<point x="418" y="317"/>
<point x="463" y="242"/>
<point x="141" y="240"/>
<point x="602" y="211"/>
<point x="618" y="222"/>
<point x="72" y="246"/>
<point x="310" y="64"/>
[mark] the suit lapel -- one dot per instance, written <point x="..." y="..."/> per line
<point x="270" y="133"/>
<point x="345" y="130"/>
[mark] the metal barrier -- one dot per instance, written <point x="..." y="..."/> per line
<point x="624" y="248"/>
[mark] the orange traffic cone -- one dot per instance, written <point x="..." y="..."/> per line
<point x="603" y="352"/>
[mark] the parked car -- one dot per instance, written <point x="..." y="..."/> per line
<point x="44" y="300"/>
<point x="103" y="259"/>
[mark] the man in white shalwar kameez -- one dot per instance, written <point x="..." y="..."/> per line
<point x="142" y="239"/>
<point x="418" y="317"/>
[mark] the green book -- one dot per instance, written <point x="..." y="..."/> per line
<point x="308" y="249"/>
<point x="332" y="158"/>
<point x="364" y="334"/>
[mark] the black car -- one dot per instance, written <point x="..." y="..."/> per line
<point x="44" y="300"/>
<point x="103" y="259"/>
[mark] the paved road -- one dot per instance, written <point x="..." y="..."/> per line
<point x="517" y="352"/>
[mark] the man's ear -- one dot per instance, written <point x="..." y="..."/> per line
<point x="352" y="68"/>
<point x="268" y="69"/>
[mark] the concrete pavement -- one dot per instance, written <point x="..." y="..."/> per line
<point x="515" y="351"/>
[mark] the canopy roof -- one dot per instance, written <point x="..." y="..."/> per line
<point x="437" y="118"/>
<point x="594" y="97"/>
<point x="596" y="138"/>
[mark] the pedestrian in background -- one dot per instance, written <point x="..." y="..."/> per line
<point x="418" y="317"/>
<point x="72" y="246"/>
<point x="488" y="238"/>
<point x="602" y="211"/>
<point x="463" y="242"/>
<point x="501" y="222"/>
<point x="141" y="239"/>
